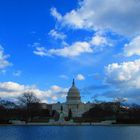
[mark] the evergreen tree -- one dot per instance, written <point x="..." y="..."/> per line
<point x="70" y="114"/>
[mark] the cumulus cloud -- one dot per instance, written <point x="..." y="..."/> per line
<point x="98" y="40"/>
<point x="57" y="35"/>
<point x="125" y="78"/>
<point x="11" y="86"/>
<point x="12" y="90"/>
<point x="126" y="73"/>
<point x="121" y="16"/>
<point x="96" y="43"/>
<point x="133" y="47"/>
<point x="75" y="49"/>
<point x="3" y="59"/>
<point x="80" y="77"/>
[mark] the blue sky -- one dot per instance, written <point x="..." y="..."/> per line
<point x="45" y="44"/>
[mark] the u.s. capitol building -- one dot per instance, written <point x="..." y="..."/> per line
<point x="73" y="103"/>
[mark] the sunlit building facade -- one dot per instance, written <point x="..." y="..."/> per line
<point x="73" y="103"/>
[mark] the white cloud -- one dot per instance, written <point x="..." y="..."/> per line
<point x="56" y="88"/>
<point x="133" y="47"/>
<point x="56" y="14"/>
<point x="39" y="49"/>
<point x="12" y="90"/>
<point x="75" y="49"/>
<point x="124" y="80"/>
<point x="120" y="16"/>
<point x="11" y="86"/>
<point x="80" y="77"/>
<point x="3" y="59"/>
<point x="125" y="74"/>
<point x="96" y="43"/>
<point x="99" y="40"/>
<point x="57" y="35"/>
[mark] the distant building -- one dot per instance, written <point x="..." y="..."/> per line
<point x="73" y="103"/>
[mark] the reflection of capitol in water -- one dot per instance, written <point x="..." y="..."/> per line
<point x="73" y="103"/>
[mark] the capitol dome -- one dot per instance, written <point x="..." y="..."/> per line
<point x="73" y="95"/>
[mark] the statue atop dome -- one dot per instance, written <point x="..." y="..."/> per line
<point x="73" y="82"/>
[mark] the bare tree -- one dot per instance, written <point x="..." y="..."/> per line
<point x="28" y="100"/>
<point x="120" y="99"/>
<point x="1" y="104"/>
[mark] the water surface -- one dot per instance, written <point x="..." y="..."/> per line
<point x="69" y="132"/>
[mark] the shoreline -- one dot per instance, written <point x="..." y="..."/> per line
<point x="59" y="125"/>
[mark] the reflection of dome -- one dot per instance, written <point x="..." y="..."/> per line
<point x="73" y="95"/>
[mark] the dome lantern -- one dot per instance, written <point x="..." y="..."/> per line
<point x="73" y="83"/>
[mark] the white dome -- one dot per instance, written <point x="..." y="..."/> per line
<point x="73" y="95"/>
<point x="74" y="92"/>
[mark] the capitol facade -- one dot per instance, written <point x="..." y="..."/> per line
<point x="73" y="103"/>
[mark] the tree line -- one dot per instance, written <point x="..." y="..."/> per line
<point x="27" y="108"/>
